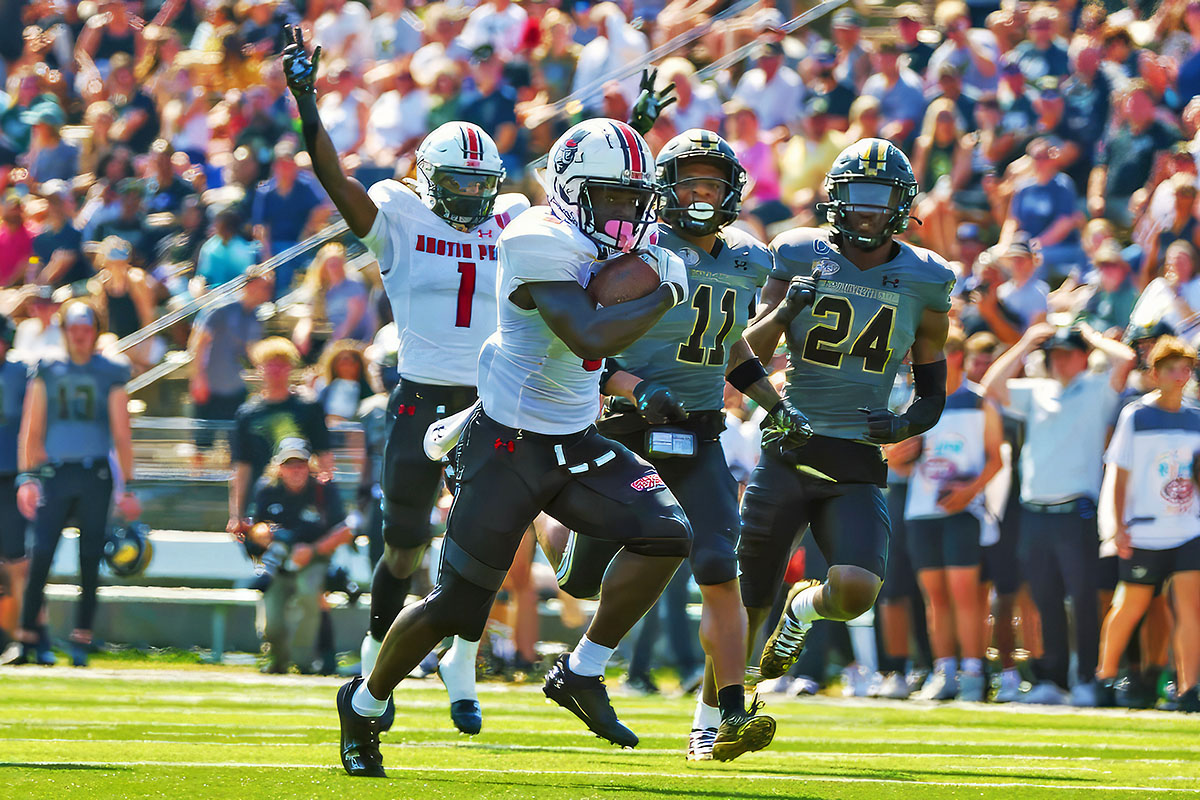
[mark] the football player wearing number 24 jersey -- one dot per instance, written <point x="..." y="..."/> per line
<point x="850" y="303"/>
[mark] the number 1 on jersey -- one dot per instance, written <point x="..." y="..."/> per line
<point x="693" y="350"/>
<point x="466" y="294"/>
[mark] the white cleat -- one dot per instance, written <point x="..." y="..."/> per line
<point x="700" y="744"/>
<point x="894" y="687"/>
<point x="940" y="686"/>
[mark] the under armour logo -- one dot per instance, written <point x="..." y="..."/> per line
<point x="1139" y="572"/>
<point x="503" y="445"/>
<point x="482" y="233"/>
<point x="890" y="281"/>
<point x="740" y="263"/>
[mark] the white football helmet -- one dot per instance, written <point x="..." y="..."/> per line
<point x="459" y="173"/>
<point x="600" y="178"/>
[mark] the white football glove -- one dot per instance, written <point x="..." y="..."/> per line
<point x="671" y="271"/>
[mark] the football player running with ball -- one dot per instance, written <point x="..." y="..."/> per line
<point x="531" y="445"/>
<point x="667" y="398"/>
<point x="850" y="302"/>
<point x="436" y="248"/>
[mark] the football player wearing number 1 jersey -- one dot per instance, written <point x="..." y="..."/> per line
<point x="437" y="253"/>
<point x="850" y="302"/>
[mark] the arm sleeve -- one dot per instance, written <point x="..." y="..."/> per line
<point x="1120" y="448"/>
<point x="543" y="252"/>
<point x="387" y="239"/>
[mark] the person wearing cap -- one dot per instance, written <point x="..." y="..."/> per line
<point x="59" y="243"/>
<point x="950" y="86"/>
<point x="771" y="88"/>
<point x="838" y="97"/>
<point x="14" y="565"/>
<point x="808" y="156"/>
<point x="1126" y="155"/>
<point x="1184" y="226"/>
<point x="1154" y="503"/>
<point x="76" y="412"/>
<point x="123" y="296"/>
<point x="901" y="98"/>
<point x="1066" y="419"/>
<point x="40" y="334"/>
<point x="287" y="208"/>
<point x="130" y="221"/>
<point x="49" y="157"/>
<point x="854" y="63"/>
<point x="1110" y="304"/>
<point x="218" y="346"/>
<point x="1040" y="55"/>
<point x="306" y="516"/>
<point x="1023" y="293"/>
<point x="492" y="105"/>
<point x="910" y="22"/>
<point x="974" y="50"/>
<point x="1045" y="208"/>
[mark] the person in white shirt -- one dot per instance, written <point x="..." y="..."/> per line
<point x="344" y="31"/>
<point x="397" y="121"/>
<point x="41" y="335"/>
<point x="498" y="23"/>
<point x="772" y="90"/>
<point x="1157" y="513"/>
<point x="396" y="31"/>
<point x="617" y="44"/>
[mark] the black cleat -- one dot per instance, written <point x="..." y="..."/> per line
<point x="360" y="735"/>
<point x="35" y="654"/>
<point x="743" y="733"/>
<point x="586" y="698"/>
<point x="467" y="716"/>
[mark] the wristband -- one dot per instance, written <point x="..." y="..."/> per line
<point x="27" y="477"/>
<point x="676" y="293"/>
<point x="746" y="374"/>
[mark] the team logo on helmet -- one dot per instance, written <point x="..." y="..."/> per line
<point x="872" y="160"/>
<point x="566" y="156"/>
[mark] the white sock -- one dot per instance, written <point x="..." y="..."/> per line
<point x="706" y="716"/>
<point x="972" y="666"/>
<point x="944" y="665"/>
<point x="365" y="704"/>
<point x="370" y="653"/>
<point x="457" y="670"/>
<point x="589" y="659"/>
<point x="802" y="605"/>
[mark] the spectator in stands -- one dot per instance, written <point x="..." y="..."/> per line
<point x="901" y="99"/>
<point x="1045" y="208"/>
<point x="59" y="244"/>
<point x="278" y="412"/>
<point x="398" y="121"/>
<point x="262" y="30"/>
<point x="910" y="22"/>
<point x="772" y="90"/>
<point x="1086" y="93"/>
<point x="165" y="189"/>
<point x="345" y="109"/>
<point x="128" y="221"/>
<point x="1126" y="156"/>
<point x="76" y="412"/>
<point x="305" y="517"/>
<point x="16" y="241"/>
<point x="343" y="31"/>
<point x="1040" y="55"/>
<point x="838" y="96"/>
<point x="1066" y="421"/>
<point x="123" y="295"/>
<point x="136" y="117"/>
<point x="49" y="157"/>
<point x="808" y="156"/>
<point x="226" y="255"/>
<point x="974" y="50"/>
<point x="754" y="151"/>
<point x="950" y="86"/>
<point x="492" y="105"/>
<point x="333" y="299"/>
<point x="40" y="335"/>
<point x="287" y="209"/>
<point x="1184" y="226"/>
<point x="497" y="24"/>
<point x="1023" y="294"/>
<point x="616" y="44"/>
<point x="219" y="345"/>
<point x="854" y="62"/>
<point x="1112" y="301"/>
<point x="396" y="31"/>
<point x="698" y="105"/>
<point x="1175" y="296"/>
<point x="941" y="162"/>
<point x="343" y="382"/>
<point x="1158" y="532"/>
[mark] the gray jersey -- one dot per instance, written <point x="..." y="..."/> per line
<point x="845" y="350"/>
<point x="14" y="377"/>
<point x="77" y="405"/>
<point x="233" y="328"/>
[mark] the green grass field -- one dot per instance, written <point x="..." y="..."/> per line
<point x="220" y="732"/>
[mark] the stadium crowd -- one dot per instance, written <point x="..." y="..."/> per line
<point x="149" y="154"/>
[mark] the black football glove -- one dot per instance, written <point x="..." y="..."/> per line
<point x="884" y="427"/>
<point x="650" y="104"/>
<point x="785" y="427"/>
<point x="299" y="68"/>
<point x="801" y="293"/>
<point x="656" y="404"/>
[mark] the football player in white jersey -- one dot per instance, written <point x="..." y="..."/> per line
<point x="437" y="253"/>
<point x="532" y="446"/>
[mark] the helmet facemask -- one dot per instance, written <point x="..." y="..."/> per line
<point x="867" y="212"/>
<point x="615" y="214"/>
<point x="700" y="218"/>
<point x="463" y="197"/>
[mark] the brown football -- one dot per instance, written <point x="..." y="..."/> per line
<point x="623" y="278"/>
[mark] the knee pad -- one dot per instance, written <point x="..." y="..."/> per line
<point x="662" y="537"/>
<point x="712" y="564"/>
<point x="458" y="606"/>
<point x="584" y="562"/>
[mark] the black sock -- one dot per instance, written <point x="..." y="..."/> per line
<point x="731" y="700"/>
<point x="388" y="594"/>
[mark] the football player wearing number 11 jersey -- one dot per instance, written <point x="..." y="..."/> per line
<point x="850" y="302"/>
<point x="437" y="253"/>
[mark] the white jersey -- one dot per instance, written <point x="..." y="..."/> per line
<point x="528" y="378"/>
<point x="441" y="282"/>
<point x="1156" y="447"/>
